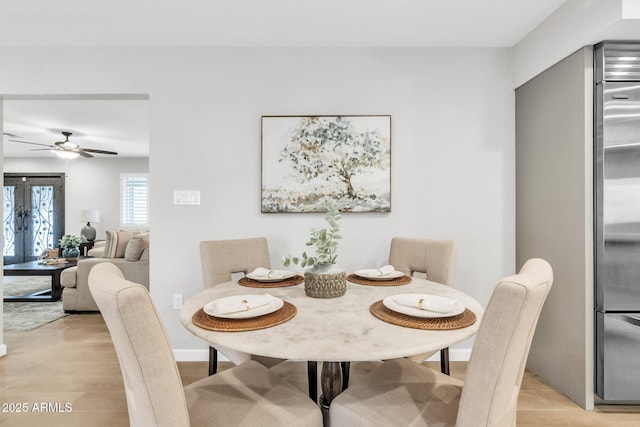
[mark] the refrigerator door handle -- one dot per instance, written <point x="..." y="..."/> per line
<point x="632" y="320"/>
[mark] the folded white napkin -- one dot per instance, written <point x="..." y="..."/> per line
<point x="384" y="270"/>
<point x="378" y="272"/>
<point x="427" y="302"/>
<point x="269" y="274"/>
<point x="242" y="303"/>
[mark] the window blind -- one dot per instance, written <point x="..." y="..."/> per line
<point x="134" y="200"/>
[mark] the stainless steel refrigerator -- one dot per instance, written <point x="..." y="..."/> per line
<point x="617" y="220"/>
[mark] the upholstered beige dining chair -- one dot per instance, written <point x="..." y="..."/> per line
<point x="400" y="392"/>
<point x="245" y="395"/>
<point x="434" y="260"/>
<point x="222" y="258"/>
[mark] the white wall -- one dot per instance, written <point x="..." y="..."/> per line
<point x="452" y="146"/>
<point x="3" y="347"/>
<point x="89" y="184"/>
<point x="575" y="24"/>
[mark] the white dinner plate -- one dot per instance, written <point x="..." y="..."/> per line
<point x="286" y="274"/>
<point x="372" y="275"/>
<point x="274" y="305"/>
<point x="416" y="312"/>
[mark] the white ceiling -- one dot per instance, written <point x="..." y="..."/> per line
<point x="122" y="125"/>
<point x="113" y="125"/>
<point x="270" y="22"/>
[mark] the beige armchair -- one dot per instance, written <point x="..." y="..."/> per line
<point x="219" y="260"/>
<point x="401" y="392"/>
<point x="98" y="249"/>
<point x="434" y="260"/>
<point x="246" y="395"/>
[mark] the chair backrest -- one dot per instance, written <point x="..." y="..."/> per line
<point x="435" y="258"/>
<point x="153" y="387"/>
<point x="221" y="258"/>
<point x="497" y="363"/>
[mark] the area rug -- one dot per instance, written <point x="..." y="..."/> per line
<point x="26" y="316"/>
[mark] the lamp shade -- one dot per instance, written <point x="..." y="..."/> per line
<point x="90" y="215"/>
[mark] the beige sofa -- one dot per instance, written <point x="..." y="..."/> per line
<point x="74" y="280"/>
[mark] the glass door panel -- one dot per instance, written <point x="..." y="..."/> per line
<point x="33" y="215"/>
<point x="42" y="219"/>
<point x="8" y="222"/>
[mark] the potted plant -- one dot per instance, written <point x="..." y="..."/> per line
<point x="322" y="280"/>
<point x="70" y="245"/>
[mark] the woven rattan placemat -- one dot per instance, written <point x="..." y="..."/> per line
<point x="402" y="280"/>
<point x="205" y="321"/>
<point x="291" y="281"/>
<point x="462" y="320"/>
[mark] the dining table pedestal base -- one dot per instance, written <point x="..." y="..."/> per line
<point x="331" y="386"/>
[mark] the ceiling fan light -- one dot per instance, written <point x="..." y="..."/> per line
<point x="70" y="145"/>
<point x="66" y="154"/>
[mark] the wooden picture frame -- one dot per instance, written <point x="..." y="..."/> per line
<point x="309" y="160"/>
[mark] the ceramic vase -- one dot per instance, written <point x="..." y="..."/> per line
<point x="71" y="253"/>
<point x="325" y="281"/>
<point x="88" y="232"/>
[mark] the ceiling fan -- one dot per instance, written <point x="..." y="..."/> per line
<point x="11" y="135"/>
<point x="66" y="148"/>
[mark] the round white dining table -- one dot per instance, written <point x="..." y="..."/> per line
<point x="331" y="330"/>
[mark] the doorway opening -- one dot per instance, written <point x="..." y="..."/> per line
<point x="32" y="127"/>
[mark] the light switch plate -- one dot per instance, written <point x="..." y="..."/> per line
<point x="186" y="197"/>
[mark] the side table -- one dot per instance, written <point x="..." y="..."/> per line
<point x="85" y="246"/>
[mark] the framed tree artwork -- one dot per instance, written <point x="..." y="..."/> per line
<point x="310" y="160"/>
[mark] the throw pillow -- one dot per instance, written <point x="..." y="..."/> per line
<point x="116" y="243"/>
<point x="137" y="244"/>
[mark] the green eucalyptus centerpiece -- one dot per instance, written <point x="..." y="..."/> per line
<point x="325" y="241"/>
<point x="322" y="280"/>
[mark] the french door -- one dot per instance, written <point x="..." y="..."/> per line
<point x="33" y="215"/>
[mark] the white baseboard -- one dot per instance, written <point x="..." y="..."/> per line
<point x="194" y="355"/>
<point x="455" y="355"/>
<point x="3" y="350"/>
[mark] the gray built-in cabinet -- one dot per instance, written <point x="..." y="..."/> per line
<point x="554" y="217"/>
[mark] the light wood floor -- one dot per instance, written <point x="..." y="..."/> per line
<point x="72" y="361"/>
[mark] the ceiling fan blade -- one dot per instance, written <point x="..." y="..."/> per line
<point x="54" y="149"/>
<point x="11" y="135"/>
<point x="81" y="152"/>
<point x="91" y="150"/>
<point x="32" y="143"/>
<point x="66" y="145"/>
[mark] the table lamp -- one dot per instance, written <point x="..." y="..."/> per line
<point x="88" y="232"/>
